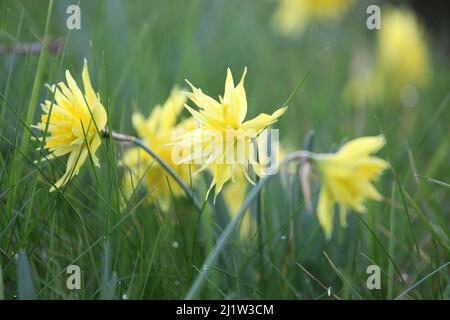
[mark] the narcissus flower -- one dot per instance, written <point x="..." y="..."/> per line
<point x="402" y="49"/>
<point x="223" y="141"/>
<point x="73" y="121"/>
<point x="292" y="16"/>
<point x="402" y="63"/>
<point x="157" y="132"/>
<point x="347" y="177"/>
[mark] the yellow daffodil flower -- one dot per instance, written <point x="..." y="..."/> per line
<point x="346" y="178"/>
<point x="292" y="16"/>
<point x="402" y="63"/>
<point x="157" y="132"/>
<point x="402" y="49"/>
<point x="73" y="121"/>
<point x="224" y="139"/>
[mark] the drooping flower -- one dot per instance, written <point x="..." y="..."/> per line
<point x="223" y="141"/>
<point x="74" y="121"/>
<point x="347" y="177"/>
<point x="157" y="132"/>
<point x="292" y="16"/>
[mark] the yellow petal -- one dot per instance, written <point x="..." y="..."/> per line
<point x="74" y="162"/>
<point x="229" y="88"/>
<point x="138" y="122"/>
<point x="362" y="146"/>
<point x="77" y="95"/>
<point x="242" y="98"/>
<point x="221" y="173"/>
<point x="263" y="120"/>
<point x="325" y="212"/>
<point x="91" y="97"/>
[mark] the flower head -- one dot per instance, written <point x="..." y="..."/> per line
<point x="73" y="121"/>
<point x="347" y="177"/>
<point x="223" y="141"/>
<point x="402" y="63"/>
<point x="292" y="16"/>
<point x="157" y="131"/>
<point x="402" y="49"/>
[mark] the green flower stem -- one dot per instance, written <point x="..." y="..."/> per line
<point x="211" y="260"/>
<point x="222" y="241"/>
<point x="131" y="139"/>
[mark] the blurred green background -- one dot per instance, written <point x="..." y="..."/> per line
<point x="137" y="51"/>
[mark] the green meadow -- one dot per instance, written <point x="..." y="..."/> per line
<point x="128" y="247"/>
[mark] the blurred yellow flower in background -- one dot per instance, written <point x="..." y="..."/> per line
<point x="402" y="63"/>
<point x="234" y="195"/>
<point x="157" y="132"/>
<point x="224" y="138"/>
<point x="347" y="177"/>
<point x="402" y="50"/>
<point x="73" y="121"/>
<point x="292" y="16"/>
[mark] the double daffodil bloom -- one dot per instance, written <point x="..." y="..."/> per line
<point x="73" y="121"/>
<point x="347" y="177"/>
<point x="292" y="16"/>
<point x="223" y="141"/>
<point x="157" y="132"/>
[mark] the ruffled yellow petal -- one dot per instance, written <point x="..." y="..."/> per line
<point x="222" y="134"/>
<point x="361" y="147"/>
<point x="263" y="120"/>
<point x="73" y="122"/>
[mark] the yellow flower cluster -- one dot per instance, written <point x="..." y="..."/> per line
<point x="75" y="121"/>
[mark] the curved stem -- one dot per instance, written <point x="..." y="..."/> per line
<point x="300" y="155"/>
<point x="211" y="259"/>
<point x="126" y="138"/>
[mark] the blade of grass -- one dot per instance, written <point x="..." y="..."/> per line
<point x="391" y="245"/>
<point x="37" y="80"/>
<point x="342" y="277"/>
<point x="25" y="284"/>
<point x="210" y="261"/>
<point x="415" y="285"/>
<point x="300" y="83"/>
<point x="2" y="294"/>
<point x="438" y="182"/>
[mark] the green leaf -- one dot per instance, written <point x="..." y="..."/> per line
<point x="108" y="281"/>
<point x="25" y="285"/>
<point x="2" y="295"/>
